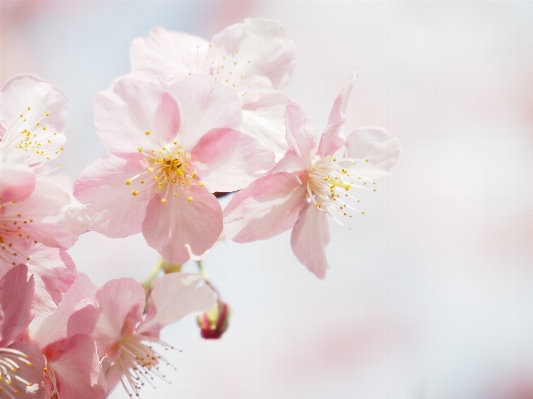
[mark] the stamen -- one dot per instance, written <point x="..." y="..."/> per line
<point x="11" y="362"/>
<point x="139" y="362"/>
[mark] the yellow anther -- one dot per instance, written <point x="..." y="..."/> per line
<point x="47" y="114"/>
<point x="201" y="184"/>
<point x="367" y="160"/>
<point x="163" y="200"/>
<point x="150" y="170"/>
<point x="189" y="199"/>
<point x="128" y="182"/>
<point x="140" y="149"/>
<point x="134" y="193"/>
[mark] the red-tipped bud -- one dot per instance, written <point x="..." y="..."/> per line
<point x="214" y="322"/>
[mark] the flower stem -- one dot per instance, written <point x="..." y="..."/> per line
<point x="148" y="283"/>
<point x="205" y="277"/>
<point x="203" y="273"/>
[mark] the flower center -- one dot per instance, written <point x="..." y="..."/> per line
<point x="30" y="134"/>
<point x="168" y="168"/>
<point x="11" y="234"/>
<point x="11" y="362"/>
<point x="329" y="181"/>
<point x="230" y="68"/>
<point x="139" y="362"/>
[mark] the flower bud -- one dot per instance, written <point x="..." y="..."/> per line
<point x="214" y="322"/>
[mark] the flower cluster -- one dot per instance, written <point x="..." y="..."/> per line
<point x="95" y="339"/>
<point x="192" y="119"/>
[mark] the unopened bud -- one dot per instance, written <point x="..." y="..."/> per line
<point x="214" y="322"/>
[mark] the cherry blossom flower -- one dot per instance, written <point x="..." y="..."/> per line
<point x="32" y="117"/>
<point x="169" y="150"/>
<point x="21" y="363"/>
<point x="73" y="369"/>
<point x="36" y="229"/>
<point x="312" y="182"/>
<point x="125" y="338"/>
<point x="254" y="58"/>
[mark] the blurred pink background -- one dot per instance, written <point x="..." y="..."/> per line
<point x="431" y="296"/>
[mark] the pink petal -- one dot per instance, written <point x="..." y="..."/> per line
<point x="32" y="374"/>
<point x="119" y="314"/>
<point x="16" y="302"/>
<point x="170" y="52"/>
<point x="134" y="107"/>
<point x="309" y="239"/>
<point x="376" y="145"/>
<point x="301" y="139"/>
<point x="31" y="97"/>
<point x="228" y="160"/>
<point x="266" y="208"/>
<point x="113" y="373"/>
<point x="263" y="55"/>
<point x="113" y="210"/>
<point x="17" y="180"/>
<point x="174" y="297"/>
<point x="53" y="217"/>
<point x="203" y="106"/>
<point x="173" y="227"/>
<point x="54" y="327"/>
<point x="54" y="272"/>
<point x="333" y="137"/>
<point x="84" y="318"/>
<point x="62" y="181"/>
<point x="264" y="119"/>
<point x="301" y="134"/>
<point x="77" y="369"/>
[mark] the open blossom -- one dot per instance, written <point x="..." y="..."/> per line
<point x="312" y="182"/>
<point x="254" y="58"/>
<point x="32" y="117"/>
<point x="125" y="337"/>
<point x="21" y="363"/>
<point x="73" y="369"/>
<point x="37" y="230"/>
<point x="169" y="149"/>
<point x="39" y="218"/>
